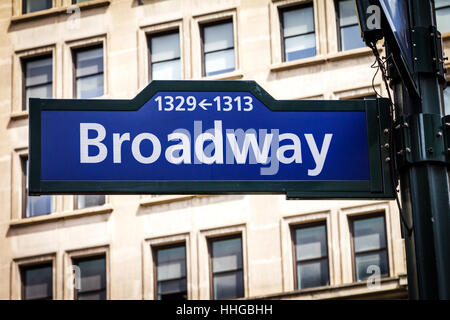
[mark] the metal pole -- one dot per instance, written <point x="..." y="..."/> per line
<point x="425" y="185"/>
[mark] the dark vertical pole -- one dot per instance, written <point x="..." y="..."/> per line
<point x="414" y="262"/>
<point x="425" y="185"/>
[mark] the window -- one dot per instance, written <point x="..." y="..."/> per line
<point x="86" y="201"/>
<point x="33" y="205"/>
<point x="37" y="282"/>
<point x="88" y="72"/>
<point x="369" y="247"/>
<point x="442" y="15"/>
<point x="92" y="278"/>
<point x="349" y="33"/>
<point x="170" y="268"/>
<point x="165" y="62"/>
<point x="37" y="78"/>
<point x="446" y="93"/>
<point x="227" y="271"/>
<point x="299" y="40"/>
<point x="218" y="48"/>
<point x="311" y="256"/>
<point x="29" y="6"/>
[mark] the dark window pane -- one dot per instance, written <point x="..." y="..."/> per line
<point x="351" y="38"/>
<point x="227" y="255"/>
<point x="93" y="278"/>
<point x="37" y="282"/>
<point x="38" y="71"/>
<point x="92" y="295"/>
<point x="347" y="13"/>
<point x="369" y="234"/>
<point x="165" y="47"/>
<point x="171" y="273"/>
<point x="365" y="262"/>
<point x="171" y="263"/>
<point x="312" y="274"/>
<point x="35" y="205"/>
<point x="219" y="62"/>
<point x="311" y="243"/>
<point x="228" y="285"/>
<point x="300" y="47"/>
<point x="85" y="201"/>
<point x="173" y="296"/>
<point x="299" y="21"/>
<point x="172" y="287"/>
<point x="37" y="79"/>
<point x="167" y="70"/>
<point x="36" y="5"/>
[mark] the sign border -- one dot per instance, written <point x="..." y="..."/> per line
<point x="377" y="118"/>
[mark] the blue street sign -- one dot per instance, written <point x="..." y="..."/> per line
<point x="207" y="137"/>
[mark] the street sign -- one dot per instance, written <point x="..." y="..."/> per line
<point x="397" y="15"/>
<point x="209" y="137"/>
<point x="398" y="37"/>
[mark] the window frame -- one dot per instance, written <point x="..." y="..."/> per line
<point x="23" y="158"/>
<point x="23" y="64"/>
<point x="77" y="49"/>
<point x="75" y="1"/>
<point x="293" y="229"/>
<point x="164" y="32"/>
<point x="205" y="24"/>
<point x="447" y="80"/>
<point x="351" y="220"/>
<point x="75" y="261"/>
<point x="291" y="7"/>
<point x="75" y="201"/>
<point x="339" y="27"/>
<point x="210" y="241"/>
<point x="24" y="5"/>
<point x="32" y="265"/>
<point x="437" y="9"/>
<point x="154" y="251"/>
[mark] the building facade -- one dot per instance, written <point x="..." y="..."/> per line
<point x="194" y="247"/>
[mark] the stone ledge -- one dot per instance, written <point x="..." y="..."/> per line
<point x="392" y="287"/>
<point x="149" y="201"/>
<point x="53" y="217"/>
<point x="298" y="63"/>
<point x="58" y="10"/>
<point x="233" y="75"/>
<point x="320" y="59"/>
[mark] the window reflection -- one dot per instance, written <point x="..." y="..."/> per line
<point x="299" y="40"/>
<point x="218" y="48"/>
<point x="165" y="56"/>
<point x="171" y="273"/>
<point x="311" y="255"/>
<point x="369" y="245"/>
<point x="227" y="270"/>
